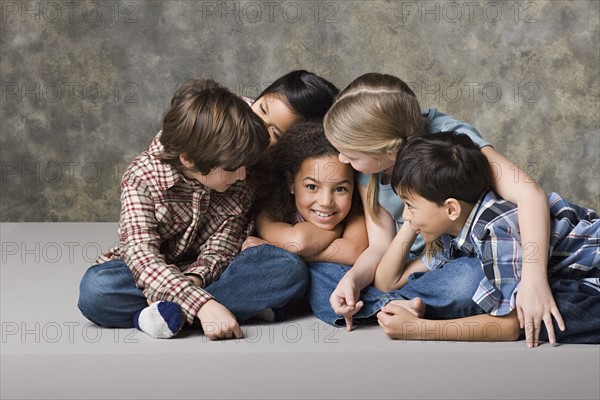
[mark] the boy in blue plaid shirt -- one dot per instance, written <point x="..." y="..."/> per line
<point x="444" y="180"/>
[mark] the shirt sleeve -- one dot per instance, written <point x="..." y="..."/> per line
<point x="230" y="230"/>
<point x="363" y="179"/>
<point x="501" y="257"/>
<point x="141" y="242"/>
<point x="445" y="123"/>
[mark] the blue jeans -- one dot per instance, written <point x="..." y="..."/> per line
<point x="447" y="292"/>
<point x="579" y="306"/>
<point x="258" y="278"/>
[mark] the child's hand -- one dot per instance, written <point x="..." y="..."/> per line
<point x="535" y="304"/>
<point x="392" y="318"/>
<point x="218" y="322"/>
<point x="252" y="241"/>
<point x="344" y="300"/>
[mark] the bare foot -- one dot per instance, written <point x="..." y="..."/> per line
<point x="415" y="306"/>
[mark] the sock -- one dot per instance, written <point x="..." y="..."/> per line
<point x="161" y="320"/>
<point x="271" y="314"/>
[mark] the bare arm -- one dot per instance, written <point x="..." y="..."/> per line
<point x="303" y="238"/>
<point x="390" y="271"/>
<point x="345" y="298"/>
<point x="534" y="299"/>
<point x="346" y="249"/>
<point x="380" y="234"/>
<point x="399" y="323"/>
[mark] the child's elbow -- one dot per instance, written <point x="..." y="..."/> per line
<point x="384" y="286"/>
<point x="299" y="243"/>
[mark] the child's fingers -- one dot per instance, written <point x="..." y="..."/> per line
<point x="339" y="305"/>
<point x="532" y="333"/>
<point x="348" y="323"/>
<point x="558" y="317"/>
<point x="549" y="328"/>
<point x="349" y="296"/>
<point x="521" y="317"/>
<point x="391" y="309"/>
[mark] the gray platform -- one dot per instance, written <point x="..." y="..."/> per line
<point x="49" y="350"/>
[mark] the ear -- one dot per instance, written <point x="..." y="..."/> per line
<point x="187" y="164"/>
<point x="453" y="209"/>
<point x="290" y="181"/>
<point x="391" y="155"/>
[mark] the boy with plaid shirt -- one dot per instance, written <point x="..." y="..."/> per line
<point x="444" y="180"/>
<point x="184" y="216"/>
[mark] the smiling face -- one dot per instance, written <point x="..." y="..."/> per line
<point x="426" y="217"/>
<point x="276" y="115"/>
<point x="323" y="191"/>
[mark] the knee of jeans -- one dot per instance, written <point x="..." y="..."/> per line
<point x="464" y="285"/>
<point x="91" y="289"/>
<point x="296" y="270"/>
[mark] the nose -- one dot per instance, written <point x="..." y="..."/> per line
<point x="326" y="198"/>
<point x="405" y="214"/>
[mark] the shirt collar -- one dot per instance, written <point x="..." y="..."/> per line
<point x="461" y="241"/>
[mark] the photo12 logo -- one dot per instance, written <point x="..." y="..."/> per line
<point x="490" y="92"/>
<point x="70" y="92"/>
<point x="268" y="11"/>
<point x="69" y="11"/>
<point x="467" y="11"/>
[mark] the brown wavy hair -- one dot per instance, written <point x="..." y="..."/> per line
<point x="212" y="127"/>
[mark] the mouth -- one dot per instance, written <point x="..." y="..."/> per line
<point x="323" y="215"/>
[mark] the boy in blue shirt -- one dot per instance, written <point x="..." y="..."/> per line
<point x="444" y="180"/>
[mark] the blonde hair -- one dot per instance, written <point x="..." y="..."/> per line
<point x="375" y="114"/>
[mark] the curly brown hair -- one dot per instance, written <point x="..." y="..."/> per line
<point x="303" y="141"/>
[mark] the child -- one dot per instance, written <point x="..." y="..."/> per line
<point x="183" y="219"/>
<point x="310" y="210"/>
<point x="295" y="97"/>
<point x="445" y="184"/>
<point x="369" y="123"/>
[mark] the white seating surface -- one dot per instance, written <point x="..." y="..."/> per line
<point x="50" y="351"/>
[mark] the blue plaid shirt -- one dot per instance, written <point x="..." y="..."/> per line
<point x="491" y="234"/>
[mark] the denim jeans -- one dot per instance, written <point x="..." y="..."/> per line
<point x="579" y="305"/>
<point x="447" y="292"/>
<point x="258" y="278"/>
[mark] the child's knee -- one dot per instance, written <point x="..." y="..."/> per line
<point x="296" y="271"/>
<point x="93" y="287"/>
<point x="87" y="291"/>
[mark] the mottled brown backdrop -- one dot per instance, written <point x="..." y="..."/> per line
<point x="85" y="84"/>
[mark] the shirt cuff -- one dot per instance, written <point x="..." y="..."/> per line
<point x="191" y="301"/>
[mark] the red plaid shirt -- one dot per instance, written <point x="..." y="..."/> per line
<point x="171" y="226"/>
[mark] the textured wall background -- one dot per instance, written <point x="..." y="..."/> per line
<point x="85" y="84"/>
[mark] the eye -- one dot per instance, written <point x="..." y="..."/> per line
<point x="262" y="109"/>
<point x="341" y="189"/>
<point x="276" y="134"/>
<point x="311" y="186"/>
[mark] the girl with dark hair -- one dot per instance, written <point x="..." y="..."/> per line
<point x="295" y="97"/>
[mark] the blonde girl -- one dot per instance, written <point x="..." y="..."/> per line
<point x="368" y="123"/>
